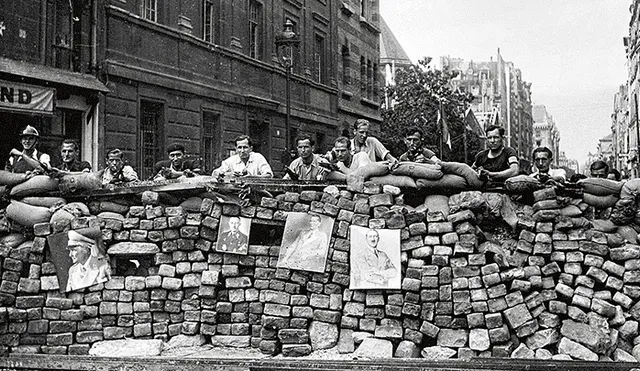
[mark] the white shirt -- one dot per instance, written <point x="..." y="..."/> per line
<point x="256" y="165"/>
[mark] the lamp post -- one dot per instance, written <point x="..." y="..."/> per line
<point x="285" y="42"/>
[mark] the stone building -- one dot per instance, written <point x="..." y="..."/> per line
<point x="48" y="65"/>
<point x="501" y="97"/>
<point x="194" y="72"/>
<point x="623" y="153"/>
<point x="546" y="133"/>
<point x="392" y="56"/>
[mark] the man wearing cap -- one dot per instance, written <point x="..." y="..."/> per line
<point x="88" y="268"/>
<point x="245" y="162"/>
<point x="178" y="164"/>
<point x="29" y="159"/>
<point x="70" y="154"/>
<point x="416" y="152"/>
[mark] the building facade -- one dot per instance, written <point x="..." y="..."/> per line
<point x="501" y="97"/>
<point x="546" y="133"/>
<point x="623" y="154"/>
<point x="140" y="74"/>
<point x="48" y="68"/>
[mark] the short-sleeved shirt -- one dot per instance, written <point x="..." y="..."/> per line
<point x="16" y="164"/>
<point x="553" y="173"/>
<point x="372" y="147"/>
<point x="313" y="171"/>
<point x="125" y="175"/>
<point x="75" y="166"/>
<point x="192" y="164"/>
<point x="418" y="156"/>
<point x="502" y="162"/>
<point x="256" y="165"/>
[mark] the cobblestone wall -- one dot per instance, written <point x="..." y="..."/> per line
<point x="554" y="286"/>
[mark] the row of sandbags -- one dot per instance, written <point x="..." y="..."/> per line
<point x="20" y="186"/>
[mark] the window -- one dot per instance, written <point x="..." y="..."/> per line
<point x="346" y="65"/>
<point x="319" y="59"/>
<point x="211" y="11"/>
<point x="375" y="81"/>
<point x="150" y="10"/>
<point x="255" y="29"/>
<point x="210" y="127"/>
<point x="363" y="77"/>
<point x="150" y="139"/>
<point x="369" y="81"/>
<point x="363" y="8"/>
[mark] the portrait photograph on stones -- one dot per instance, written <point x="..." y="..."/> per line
<point x="375" y="259"/>
<point x="233" y="235"/>
<point x="80" y="258"/>
<point x="305" y="243"/>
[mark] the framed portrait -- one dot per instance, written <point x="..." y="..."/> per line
<point x="375" y="259"/>
<point x="80" y="258"/>
<point x="233" y="235"/>
<point x="305" y="243"/>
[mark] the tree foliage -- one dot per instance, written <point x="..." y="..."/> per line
<point x="416" y="97"/>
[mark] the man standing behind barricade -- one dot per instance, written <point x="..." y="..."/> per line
<point x="245" y="162"/>
<point x="29" y="159"/>
<point x="416" y="152"/>
<point x="599" y="169"/>
<point x="117" y="171"/>
<point x="178" y="164"/>
<point x="70" y="154"/>
<point x="306" y="166"/>
<point x="342" y="158"/>
<point x="497" y="163"/>
<point x="542" y="157"/>
<point x="362" y="142"/>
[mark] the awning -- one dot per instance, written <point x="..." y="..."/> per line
<point x="50" y="74"/>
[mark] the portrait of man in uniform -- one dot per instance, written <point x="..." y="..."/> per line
<point x="79" y="258"/>
<point x="375" y="258"/>
<point x="305" y="243"/>
<point x="234" y="235"/>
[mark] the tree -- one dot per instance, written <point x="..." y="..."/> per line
<point x="416" y="98"/>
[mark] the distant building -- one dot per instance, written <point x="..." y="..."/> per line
<point x="392" y="56"/>
<point x="623" y="153"/>
<point x="545" y="132"/>
<point x="501" y="97"/>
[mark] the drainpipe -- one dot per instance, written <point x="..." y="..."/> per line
<point x="93" y="66"/>
<point x="43" y="31"/>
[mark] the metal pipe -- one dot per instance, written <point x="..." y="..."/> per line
<point x="43" y="31"/>
<point x="93" y="66"/>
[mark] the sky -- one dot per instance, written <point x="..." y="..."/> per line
<point x="571" y="51"/>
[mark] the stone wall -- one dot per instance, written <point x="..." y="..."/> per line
<point x="555" y="286"/>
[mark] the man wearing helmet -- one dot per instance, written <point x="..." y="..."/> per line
<point x="29" y="159"/>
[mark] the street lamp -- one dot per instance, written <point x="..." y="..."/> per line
<point x="286" y="41"/>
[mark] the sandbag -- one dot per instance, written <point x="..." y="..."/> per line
<point x="628" y="233"/>
<point x="418" y="170"/>
<point x="77" y="209"/>
<point x="111" y="216"/>
<point x="522" y="184"/>
<point x="600" y="186"/>
<point x="86" y="181"/>
<point x="571" y="211"/>
<point x="336" y="175"/>
<point x="27" y="215"/>
<point x="11" y="179"/>
<point x="624" y="211"/>
<point x="472" y="200"/>
<point x="599" y="202"/>
<point x="61" y="219"/>
<point x="463" y="170"/>
<point x="630" y="189"/>
<point x="372" y="169"/>
<point x="96" y="207"/>
<point x="38" y="185"/>
<point x="192" y="204"/>
<point x="44" y="201"/>
<point x="448" y="184"/>
<point x="439" y="203"/>
<point x="395" y="180"/>
<point x="603" y="225"/>
<point x="12" y="240"/>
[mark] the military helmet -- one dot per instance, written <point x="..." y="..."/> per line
<point x="30" y="130"/>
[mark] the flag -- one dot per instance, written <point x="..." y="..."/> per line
<point x="442" y="123"/>
<point x="471" y="123"/>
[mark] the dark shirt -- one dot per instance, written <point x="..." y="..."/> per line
<point x="499" y="163"/>
<point x="423" y="155"/>
<point x="192" y="164"/>
<point x="75" y="166"/>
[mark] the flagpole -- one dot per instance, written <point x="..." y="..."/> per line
<point x="464" y="139"/>
<point x="441" y="129"/>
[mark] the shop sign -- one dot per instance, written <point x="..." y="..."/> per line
<point x="23" y="97"/>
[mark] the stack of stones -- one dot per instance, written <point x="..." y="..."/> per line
<point x="560" y="289"/>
